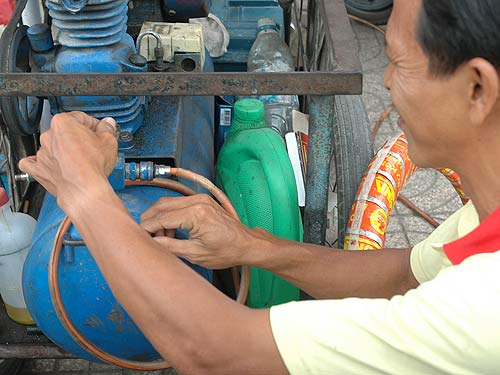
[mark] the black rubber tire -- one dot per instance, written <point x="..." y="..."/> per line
<point x="375" y="11"/>
<point x="10" y="366"/>
<point x="353" y="151"/>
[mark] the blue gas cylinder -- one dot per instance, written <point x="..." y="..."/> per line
<point x="85" y="294"/>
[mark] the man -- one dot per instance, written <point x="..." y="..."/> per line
<point x="6" y="8"/>
<point x="444" y="80"/>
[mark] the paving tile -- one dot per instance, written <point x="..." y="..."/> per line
<point x="73" y="365"/>
<point x="39" y="366"/>
<point x="397" y="240"/>
<point x="432" y="192"/>
<point x="103" y="368"/>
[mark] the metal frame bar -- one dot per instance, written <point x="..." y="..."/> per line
<point x="34" y="351"/>
<point x="334" y="70"/>
<point x="318" y="168"/>
<point x="341" y="82"/>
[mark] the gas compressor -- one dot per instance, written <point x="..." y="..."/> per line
<point x="155" y="134"/>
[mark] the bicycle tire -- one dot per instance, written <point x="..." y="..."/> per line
<point x="377" y="12"/>
<point x="352" y="152"/>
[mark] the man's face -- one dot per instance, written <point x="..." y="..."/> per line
<point x="431" y="108"/>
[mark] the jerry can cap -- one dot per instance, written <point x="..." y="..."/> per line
<point x="249" y="110"/>
<point x="4" y="198"/>
<point x="248" y="114"/>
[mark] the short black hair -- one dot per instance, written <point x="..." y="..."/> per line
<point x="452" y="32"/>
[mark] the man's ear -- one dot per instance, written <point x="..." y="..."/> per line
<point x="484" y="93"/>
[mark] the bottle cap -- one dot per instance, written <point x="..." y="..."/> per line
<point x="248" y="114"/>
<point x="267" y="23"/>
<point x="4" y="198"/>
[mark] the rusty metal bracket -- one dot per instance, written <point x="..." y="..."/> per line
<point x="181" y="84"/>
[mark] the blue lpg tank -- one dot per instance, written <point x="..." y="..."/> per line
<point x="85" y="294"/>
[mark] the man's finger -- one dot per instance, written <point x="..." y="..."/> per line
<point x="84" y="119"/>
<point x="177" y="203"/>
<point x="31" y="166"/>
<point x="176" y="219"/>
<point x="179" y="248"/>
<point x="106" y="125"/>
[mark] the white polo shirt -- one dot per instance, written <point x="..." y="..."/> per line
<point x="450" y="324"/>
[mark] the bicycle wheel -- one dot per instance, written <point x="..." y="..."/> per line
<point x="376" y="11"/>
<point x="352" y="152"/>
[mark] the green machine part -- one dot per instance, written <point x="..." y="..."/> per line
<point x="256" y="174"/>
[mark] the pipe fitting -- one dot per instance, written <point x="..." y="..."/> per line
<point x="146" y="33"/>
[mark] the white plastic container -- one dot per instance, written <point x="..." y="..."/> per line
<point x="16" y="232"/>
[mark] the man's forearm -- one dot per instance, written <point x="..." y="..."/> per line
<point x="330" y="273"/>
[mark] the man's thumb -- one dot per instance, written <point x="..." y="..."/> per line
<point x="28" y="164"/>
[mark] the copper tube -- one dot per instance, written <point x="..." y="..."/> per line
<point x="53" y="268"/>
<point x="367" y="23"/>
<point x="164" y="183"/>
<point x="419" y="211"/>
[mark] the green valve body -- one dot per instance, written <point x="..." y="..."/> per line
<point x="255" y="172"/>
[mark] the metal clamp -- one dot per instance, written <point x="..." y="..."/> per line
<point x="68" y="241"/>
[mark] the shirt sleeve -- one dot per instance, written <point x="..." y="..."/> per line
<point x="447" y="325"/>
<point x="427" y="258"/>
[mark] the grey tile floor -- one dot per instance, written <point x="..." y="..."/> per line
<point x="427" y="188"/>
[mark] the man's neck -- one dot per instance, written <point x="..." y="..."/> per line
<point x="482" y="184"/>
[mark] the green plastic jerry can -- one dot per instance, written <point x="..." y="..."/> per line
<point x="255" y="172"/>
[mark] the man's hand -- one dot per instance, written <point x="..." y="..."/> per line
<point x="77" y="154"/>
<point x="216" y="239"/>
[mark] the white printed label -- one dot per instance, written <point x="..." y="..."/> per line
<point x="225" y="116"/>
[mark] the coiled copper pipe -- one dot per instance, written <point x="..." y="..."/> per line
<point x="53" y="266"/>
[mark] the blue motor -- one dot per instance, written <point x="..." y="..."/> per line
<point x="91" y="38"/>
<point x="174" y="131"/>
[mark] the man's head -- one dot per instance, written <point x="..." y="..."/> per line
<point x="452" y="32"/>
<point x="443" y="76"/>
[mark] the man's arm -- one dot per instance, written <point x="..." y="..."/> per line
<point x="190" y="323"/>
<point x="326" y="273"/>
<point x="219" y="241"/>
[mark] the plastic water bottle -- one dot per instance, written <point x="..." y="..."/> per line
<point x="16" y="231"/>
<point x="269" y="53"/>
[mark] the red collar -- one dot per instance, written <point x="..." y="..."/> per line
<point x="484" y="239"/>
